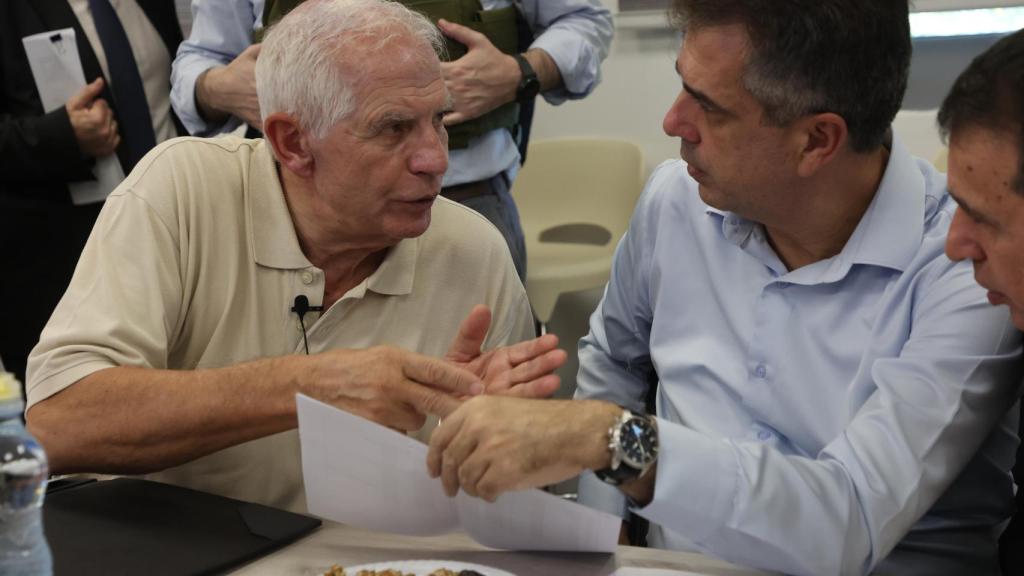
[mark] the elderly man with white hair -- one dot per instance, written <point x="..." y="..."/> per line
<point x="226" y="275"/>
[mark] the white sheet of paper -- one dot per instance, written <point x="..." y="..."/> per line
<point x="365" y="475"/>
<point x="57" y="71"/>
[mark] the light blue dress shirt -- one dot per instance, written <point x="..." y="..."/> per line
<point x="810" y="418"/>
<point x="576" y="33"/>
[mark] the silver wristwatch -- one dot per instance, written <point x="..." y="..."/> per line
<point x="633" y="443"/>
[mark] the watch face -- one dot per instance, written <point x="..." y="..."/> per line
<point x="529" y="88"/>
<point x="639" y="441"/>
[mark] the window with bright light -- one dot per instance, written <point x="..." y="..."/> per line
<point x="929" y="19"/>
<point x="966" y="22"/>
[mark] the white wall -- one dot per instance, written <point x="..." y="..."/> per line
<point x="639" y="82"/>
<point x="638" y="87"/>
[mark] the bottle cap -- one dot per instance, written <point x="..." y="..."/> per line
<point x="10" y="394"/>
<point x="10" y="388"/>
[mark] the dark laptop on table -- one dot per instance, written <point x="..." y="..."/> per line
<point x="137" y="527"/>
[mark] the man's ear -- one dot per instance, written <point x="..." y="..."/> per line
<point x="824" y="136"/>
<point x="290" y="143"/>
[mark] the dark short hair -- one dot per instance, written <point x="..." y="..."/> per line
<point x="990" y="95"/>
<point x="849" y="57"/>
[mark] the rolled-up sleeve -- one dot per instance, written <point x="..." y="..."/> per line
<point x="221" y="30"/>
<point x="577" y="34"/>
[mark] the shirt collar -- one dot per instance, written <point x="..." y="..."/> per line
<point x="888" y="235"/>
<point x="271" y="230"/>
<point x="396" y="273"/>
<point x="275" y="243"/>
<point x="891" y="231"/>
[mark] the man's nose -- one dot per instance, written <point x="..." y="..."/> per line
<point x="680" y="120"/>
<point x="431" y="155"/>
<point x="960" y="241"/>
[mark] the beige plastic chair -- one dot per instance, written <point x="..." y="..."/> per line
<point x="575" y="199"/>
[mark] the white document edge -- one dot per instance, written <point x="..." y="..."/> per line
<point x="362" y="474"/>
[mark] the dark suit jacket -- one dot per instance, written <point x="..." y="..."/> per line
<point x="41" y="231"/>
<point x="38" y="152"/>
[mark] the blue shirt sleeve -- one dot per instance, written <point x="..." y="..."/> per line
<point x="221" y="30"/>
<point x="577" y="34"/>
<point x="614" y="358"/>
<point x="844" y="509"/>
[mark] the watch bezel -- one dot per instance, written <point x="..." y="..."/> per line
<point x="624" y="455"/>
<point x="623" y="467"/>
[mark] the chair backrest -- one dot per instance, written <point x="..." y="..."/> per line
<point x="585" y="181"/>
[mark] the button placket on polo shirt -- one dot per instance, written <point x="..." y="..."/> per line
<point x="311" y="285"/>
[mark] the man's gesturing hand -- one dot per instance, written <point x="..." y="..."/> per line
<point x="523" y="369"/>
<point x="392" y="387"/>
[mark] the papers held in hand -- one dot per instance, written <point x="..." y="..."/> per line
<point x="365" y="475"/>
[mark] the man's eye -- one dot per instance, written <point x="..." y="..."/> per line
<point x="398" y="128"/>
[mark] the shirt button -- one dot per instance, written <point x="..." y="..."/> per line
<point x="764" y="435"/>
<point x="307" y="277"/>
<point x="760" y="371"/>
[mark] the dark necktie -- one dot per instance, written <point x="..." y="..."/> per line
<point x="134" y="122"/>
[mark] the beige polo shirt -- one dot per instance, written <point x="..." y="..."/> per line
<point x="194" y="263"/>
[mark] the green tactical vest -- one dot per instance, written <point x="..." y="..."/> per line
<point x="498" y="25"/>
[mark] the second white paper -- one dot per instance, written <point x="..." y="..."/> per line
<point x="57" y="71"/>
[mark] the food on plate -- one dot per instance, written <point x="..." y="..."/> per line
<point x="340" y="571"/>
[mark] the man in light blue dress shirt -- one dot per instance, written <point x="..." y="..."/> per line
<point x="831" y="391"/>
<point x="213" y="91"/>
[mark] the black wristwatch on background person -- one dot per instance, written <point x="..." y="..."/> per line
<point x="529" y="84"/>
<point x="633" y="443"/>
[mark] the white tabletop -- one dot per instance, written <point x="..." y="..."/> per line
<point x="339" y="544"/>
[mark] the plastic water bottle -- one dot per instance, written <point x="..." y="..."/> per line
<point x="23" y="476"/>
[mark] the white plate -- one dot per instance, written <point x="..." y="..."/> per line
<point x="425" y="567"/>
<point x="651" y="572"/>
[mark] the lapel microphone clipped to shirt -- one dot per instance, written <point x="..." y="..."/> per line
<point x="300" y="307"/>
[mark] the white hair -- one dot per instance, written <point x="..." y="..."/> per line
<point x="300" y="68"/>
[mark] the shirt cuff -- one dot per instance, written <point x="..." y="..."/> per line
<point x="578" y="63"/>
<point x="695" y="484"/>
<point x="183" y="98"/>
<point x="596" y="494"/>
